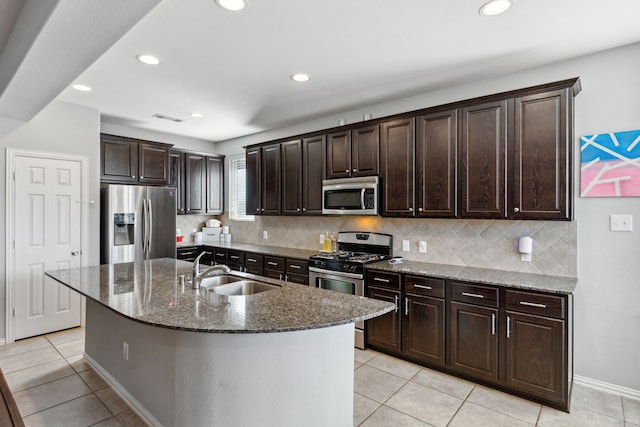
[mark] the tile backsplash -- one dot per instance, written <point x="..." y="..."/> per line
<point x="473" y="243"/>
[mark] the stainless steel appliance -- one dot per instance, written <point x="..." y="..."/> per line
<point x="137" y="223"/>
<point x="343" y="271"/>
<point x="350" y="196"/>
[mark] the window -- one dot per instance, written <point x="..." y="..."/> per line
<point x="238" y="189"/>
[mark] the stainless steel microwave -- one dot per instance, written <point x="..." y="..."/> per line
<point x="350" y="196"/>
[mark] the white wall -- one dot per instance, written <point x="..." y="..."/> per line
<point x="607" y="317"/>
<point x="59" y="128"/>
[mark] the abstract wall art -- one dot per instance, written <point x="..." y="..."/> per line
<point x="610" y="164"/>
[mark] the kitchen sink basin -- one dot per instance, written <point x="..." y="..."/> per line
<point x="243" y="287"/>
<point x="213" y="281"/>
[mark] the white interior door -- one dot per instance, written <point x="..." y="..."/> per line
<point x="48" y="221"/>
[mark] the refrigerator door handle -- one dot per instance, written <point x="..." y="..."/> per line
<point x="145" y="228"/>
<point x="150" y="230"/>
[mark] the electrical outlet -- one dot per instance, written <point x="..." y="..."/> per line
<point x="265" y="235"/>
<point x="621" y="223"/>
<point x="125" y="350"/>
<point x="525" y="257"/>
<point x="422" y="247"/>
<point x="406" y="246"/>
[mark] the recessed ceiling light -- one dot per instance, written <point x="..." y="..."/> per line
<point x="301" y="77"/>
<point x="197" y="115"/>
<point x="82" y="88"/>
<point x="495" y="7"/>
<point x="233" y="5"/>
<point x="148" y="59"/>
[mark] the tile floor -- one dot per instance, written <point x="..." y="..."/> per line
<point x="53" y="386"/>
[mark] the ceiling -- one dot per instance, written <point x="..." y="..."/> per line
<point x="234" y="67"/>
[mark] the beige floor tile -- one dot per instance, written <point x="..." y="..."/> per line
<point x="375" y="384"/>
<point x="444" y="383"/>
<point x="29" y="359"/>
<point x="36" y="375"/>
<point x="109" y="422"/>
<point x="631" y="409"/>
<point x="424" y="403"/>
<point x="596" y="401"/>
<point x="112" y="401"/>
<point x="93" y="380"/>
<point x="507" y="404"/>
<point x="71" y="348"/>
<point x="387" y="417"/>
<point x="394" y="366"/>
<point x="23" y="346"/>
<point x="66" y="336"/>
<point x="471" y="414"/>
<point x="356" y="365"/>
<point x="579" y="417"/>
<point x="83" y="411"/>
<point x="78" y="363"/>
<point x="628" y="424"/>
<point x="131" y="419"/>
<point x="50" y="394"/>
<point x="363" y="356"/>
<point x="362" y="408"/>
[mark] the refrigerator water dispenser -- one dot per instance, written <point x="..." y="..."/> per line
<point x="123" y="224"/>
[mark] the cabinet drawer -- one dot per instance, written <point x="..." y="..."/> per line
<point x="220" y="255"/>
<point x="188" y="254"/>
<point x="297" y="266"/>
<point x="424" y="286"/>
<point x="474" y="294"/>
<point x="302" y="279"/>
<point x="253" y="260"/>
<point x="235" y="256"/>
<point x="383" y="279"/>
<point x="535" y="303"/>
<point x="274" y="263"/>
<point x="273" y="274"/>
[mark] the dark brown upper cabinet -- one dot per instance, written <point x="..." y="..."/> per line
<point x="199" y="181"/>
<point x="271" y="170"/>
<point x="352" y="153"/>
<point x="397" y="145"/>
<point x="133" y="161"/>
<point x="291" y="177"/>
<point x="436" y="148"/>
<point x="195" y="183"/>
<point x="542" y="168"/>
<point x="215" y="184"/>
<point x="177" y="179"/>
<point x="314" y="155"/>
<point x="483" y="160"/>
<point x="254" y="181"/>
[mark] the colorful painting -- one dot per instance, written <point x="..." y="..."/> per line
<point x="610" y="165"/>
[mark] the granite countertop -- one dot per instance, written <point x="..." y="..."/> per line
<point x="262" y="249"/>
<point x="149" y="292"/>
<point x="511" y="279"/>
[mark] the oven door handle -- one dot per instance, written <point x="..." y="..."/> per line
<point x="338" y="274"/>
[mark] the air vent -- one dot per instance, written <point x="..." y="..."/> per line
<point x="171" y="119"/>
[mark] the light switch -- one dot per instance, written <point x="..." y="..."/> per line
<point x="422" y="247"/>
<point x="406" y="246"/>
<point x="621" y="223"/>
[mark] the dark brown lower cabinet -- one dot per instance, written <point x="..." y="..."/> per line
<point x="383" y="332"/>
<point x="423" y="329"/>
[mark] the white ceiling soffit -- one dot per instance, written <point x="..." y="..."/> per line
<point x="234" y="67"/>
<point x="52" y="42"/>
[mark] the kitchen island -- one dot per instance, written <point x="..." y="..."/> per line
<point x="181" y="356"/>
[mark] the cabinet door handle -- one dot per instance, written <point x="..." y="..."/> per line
<point x="219" y="254"/>
<point x="419" y="209"/>
<point x="508" y="326"/>
<point x="297" y="209"/>
<point x="380" y="279"/>
<point x="406" y="306"/>
<point x="516" y="210"/>
<point x="421" y="286"/>
<point x="286" y="278"/>
<point x="295" y="266"/>
<point x="467" y="294"/>
<point x="533" y="304"/>
<point x="397" y="301"/>
<point x="355" y="170"/>
<point x="272" y="263"/>
<point x="262" y="209"/>
<point x="280" y="276"/>
<point x="347" y="171"/>
<point x="410" y="209"/>
<point x="234" y="257"/>
<point x="493" y="324"/>
<point x="251" y="260"/>
<point x="304" y="209"/>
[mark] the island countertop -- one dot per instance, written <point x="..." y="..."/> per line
<point x="149" y="292"/>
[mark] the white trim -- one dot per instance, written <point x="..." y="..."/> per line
<point x="607" y="387"/>
<point x="122" y="392"/>
<point x="3" y="341"/>
<point x="11" y="154"/>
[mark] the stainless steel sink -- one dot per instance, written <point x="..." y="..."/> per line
<point x="243" y="287"/>
<point x="213" y="281"/>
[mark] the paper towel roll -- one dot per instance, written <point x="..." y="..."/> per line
<point x="225" y="229"/>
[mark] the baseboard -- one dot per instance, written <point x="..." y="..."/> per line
<point x="122" y="392"/>
<point x="607" y="387"/>
<point x="3" y="341"/>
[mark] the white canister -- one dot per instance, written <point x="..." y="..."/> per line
<point x="227" y="238"/>
<point x="197" y="237"/>
<point x="225" y="229"/>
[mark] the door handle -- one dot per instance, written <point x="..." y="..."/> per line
<point x="75" y="253"/>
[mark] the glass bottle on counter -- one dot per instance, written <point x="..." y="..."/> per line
<point x="326" y="247"/>
<point x="334" y="242"/>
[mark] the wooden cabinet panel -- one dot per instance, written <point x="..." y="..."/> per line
<point x="177" y="179"/>
<point x="314" y="156"/>
<point x="339" y="154"/>
<point x="291" y="177"/>
<point x="542" y="167"/>
<point x="271" y="169"/>
<point x="475" y="294"/>
<point x="536" y="303"/>
<point x="253" y="263"/>
<point x="220" y="255"/>
<point x="195" y="183"/>
<point x="154" y="164"/>
<point x="119" y="160"/>
<point x="427" y="286"/>
<point x="254" y="181"/>
<point x="473" y="340"/>
<point x="436" y="147"/>
<point x="215" y="185"/>
<point x="482" y="160"/>
<point x="384" y="331"/>
<point x="396" y="167"/>
<point x="365" y="147"/>
<point x="383" y="279"/>
<point x="423" y="329"/>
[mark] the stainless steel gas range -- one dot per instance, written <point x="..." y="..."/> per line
<point x="343" y="270"/>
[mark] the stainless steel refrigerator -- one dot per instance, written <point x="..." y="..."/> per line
<point x="137" y="223"/>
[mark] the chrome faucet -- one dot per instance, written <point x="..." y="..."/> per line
<point x="197" y="276"/>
